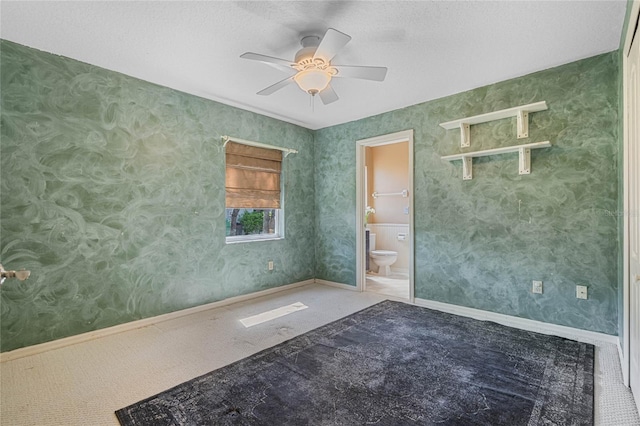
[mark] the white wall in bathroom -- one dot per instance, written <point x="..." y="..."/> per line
<point x="387" y="239"/>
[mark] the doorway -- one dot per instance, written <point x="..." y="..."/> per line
<point x="385" y="243"/>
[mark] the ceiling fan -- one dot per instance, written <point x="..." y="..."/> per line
<point x="312" y="69"/>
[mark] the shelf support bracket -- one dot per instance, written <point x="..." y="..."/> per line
<point x="524" y="159"/>
<point x="467" y="168"/>
<point x="522" y="122"/>
<point x="465" y="136"/>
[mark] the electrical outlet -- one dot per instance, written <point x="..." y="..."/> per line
<point x="537" y="287"/>
<point x="270" y="265"/>
<point x="581" y="291"/>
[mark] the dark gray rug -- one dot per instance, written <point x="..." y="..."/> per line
<point x="390" y="364"/>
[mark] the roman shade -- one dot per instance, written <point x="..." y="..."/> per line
<point x="252" y="177"/>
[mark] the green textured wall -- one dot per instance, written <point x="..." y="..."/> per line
<point x="480" y="243"/>
<point x="113" y="196"/>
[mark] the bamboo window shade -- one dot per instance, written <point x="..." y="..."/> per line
<point x="252" y="177"/>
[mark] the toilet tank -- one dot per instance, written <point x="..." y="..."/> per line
<point x="372" y="242"/>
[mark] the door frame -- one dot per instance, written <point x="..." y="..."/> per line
<point x="624" y="350"/>
<point x="361" y="145"/>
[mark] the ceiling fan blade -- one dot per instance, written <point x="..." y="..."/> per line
<point x="269" y="60"/>
<point x="275" y="87"/>
<point x="328" y="95"/>
<point x="365" y="73"/>
<point x="331" y="44"/>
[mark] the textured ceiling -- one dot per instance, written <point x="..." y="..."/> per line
<point x="432" y="49"/>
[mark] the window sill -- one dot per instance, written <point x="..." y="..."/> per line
<point x="253" y="238"/>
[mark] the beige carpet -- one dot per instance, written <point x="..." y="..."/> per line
<point x="85" y="383"/>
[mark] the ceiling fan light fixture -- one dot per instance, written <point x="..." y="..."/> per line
<point x="313" y="80"/>
<point x="313" y="69"/>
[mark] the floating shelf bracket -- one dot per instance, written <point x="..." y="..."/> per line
<point x="520" y="112"/>
<point x="524" y="157"/>
<point x="467" y="168"/>
<point x="524" y="161"/>
<point x="465" y="135"/>
<point x="522" y="124"/>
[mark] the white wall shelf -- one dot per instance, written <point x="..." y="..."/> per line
<point x="524" y="156"/>
<point x="520" y="112"/>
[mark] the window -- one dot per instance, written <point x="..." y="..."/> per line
<point x="253" y="193"/>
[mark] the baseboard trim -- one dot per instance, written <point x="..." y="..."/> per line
<point x="508" y="320"/>
<point x="103" y="332"/>
<point x="625" y="376"/>
<point x="521" y="323"/>
<point x="335" y="284"/>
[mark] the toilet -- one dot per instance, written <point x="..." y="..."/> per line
<point x="383" y="258"/>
